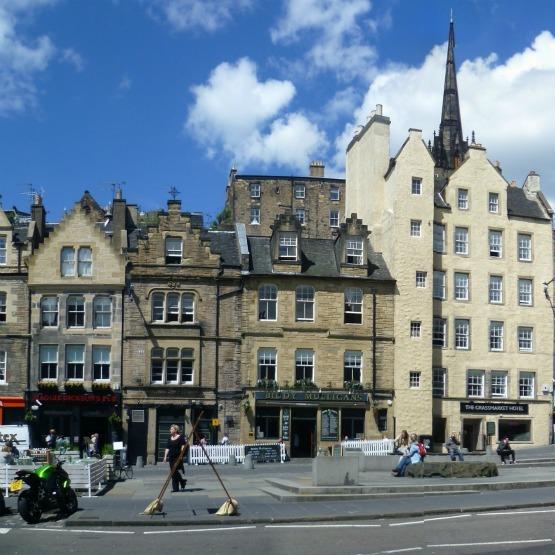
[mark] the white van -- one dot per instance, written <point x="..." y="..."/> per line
<point x="17" y="434"/>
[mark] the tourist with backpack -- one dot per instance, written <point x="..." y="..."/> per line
<point x="413" y="456"/>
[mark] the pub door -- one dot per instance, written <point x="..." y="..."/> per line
<point x="137" y="435"/>
<point x="471" y="433"/>
<point x="303" y="432"/>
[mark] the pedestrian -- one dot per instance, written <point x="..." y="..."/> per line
<point x="453" y="447"/>
<point x="412" y="457"/>
<point x="203" y="440"/>
<point x="402" y="443"/>
<point x="176" y="443"/>
<point x="94" y="450"/>
<point x="225" y="440"/>
<point x="51" y="439"/>
<point x="505" y="450"/>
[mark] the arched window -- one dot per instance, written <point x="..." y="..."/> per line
<point x="267" y="302"/>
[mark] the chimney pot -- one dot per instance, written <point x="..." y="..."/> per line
<point x="379" y="109"/>
<point x="316" y="168"/>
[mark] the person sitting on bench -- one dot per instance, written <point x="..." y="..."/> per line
<point x="453" y="447"/>
<point x="505" y="450"/>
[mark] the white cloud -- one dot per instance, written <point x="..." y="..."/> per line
<point x="208" y="15"/>
<point x="509" y="104"/>
<point x="238" y="114"/>
<point x="72" y="57"/>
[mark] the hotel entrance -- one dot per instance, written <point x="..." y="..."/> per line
<point x="303" y="432"/>
<point x="472" y="439"/>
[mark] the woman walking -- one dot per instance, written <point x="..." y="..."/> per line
<point x="176" y="442"/>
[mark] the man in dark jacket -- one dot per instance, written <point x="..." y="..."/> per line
<point x="453" y="447"/>
<point x="504" y="450"/>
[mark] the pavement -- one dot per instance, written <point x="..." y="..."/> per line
<point x="282" y="493"/>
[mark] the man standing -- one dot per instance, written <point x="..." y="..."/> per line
<point x="51" y="439"/>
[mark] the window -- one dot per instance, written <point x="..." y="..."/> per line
<point x="439" y="332"/>
<point x="84" y="262"/>
<point x="498" y="384"/>
<point x="158" y="307"/>
<point x="495" y="289"/>
<point x="3" y="366"/>
<point x="475" y="383"/>
<point x="68" y="262"/>
<point x="300" y="215"/>
<point x="304" y="303"/>
<point x="288" y="246"/>
<point x="462" y="199"/>
<point x="101" y="363"/>
<point x="173" y="307"/>
<point x="526" y="387"/>
<point x="355" y="251"/>
<point x="493" y="203"/>
<point x="187" y="365"/>
<point x="171" y="366"/>
<point x="334" y="193"/>
<point x="49" y="312"/>
<point x="495" y="243"/>
<point x="334" y="218"/>
<point x="415" y="329"/>
<point x="75" y="312"/>
<point x="267" y="302"/>
<point x="352" y="366"/>
<point x="439" y="285"/>
<point x="515" y="430"/>
<point x="174" y="250"/>
<point x="157" y="365"/>
<point x="525" y="292"/>
<point x="304" y="365"/>
<point x="439" y="238"/>
<point x="255" y="215"/>
<point x="416" y="186"/>
<point x="3" y="308"/>
<point x="255" y="190"/>
<point x="382" y="420"/>
<point x="421" y="278"/>
<point x="266" y="422"/>
<point x="102" y="310"/>
<point x="353" y="305"/>
<point x="414" y="379"/>
<point x="525" y="339"/>
<point x="496" y="336"/>
<point x="462" y="334"/>
<point x="299" y="190"/>
<point x="187" y="307"/>
<point x="48" y="359"/>
<point x="524" y="247"/>
<point x="415" y="228"/>
<point x="461" y="286"/>
<point x="2" y="249"/>
<point x="75" y="362"/>
<point x="267" y="364"/>
<point x="461" y="240"/>
<point x="438" y="382"/>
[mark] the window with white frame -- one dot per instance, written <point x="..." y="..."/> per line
<point x="75" y="362"/>
<point x="495" y="243"/>
<point x="439" y="238"/>
<point x="187" y="365"/>
<point x="475" y="380"/>
<point x="102" y="312"/>
<point x="421" y="278"/>
<point x="299" y="189"/>
<point x="461" y="286"/>
<point x="461" y="240"/>
<point x="493" y="203"/>
<point x="173" y="307"/>
<point x="462" y="199"/>
<point x="174" y="250"/>
<point x="438" y="381"/>
<point x="300" y="215"/>
<point x="415" y="329"/>
<point x="254" y="190"/>
<point x="267" y="364"/>
<point x="525" y="339"/>
<point x="496" y="336"/>
<point x="439" y="332"/>
<point x="49" y="312"/>
<point x="354" y="252"/>
<point x="416" y="186"/>
<point x="3" y="307"/>
<point x="3" y="250"/>
<point x="414" y="379"/>
<point x="498" y="384"/>
<point x="462" y="333"/>
<point x="3" y="367"/>
<point x="67" y="264"/>
<point x="334" y="218"/>
<point x="525" y="292"/>
<point x="255" y="215"/>
<point x="304" y="303"/>
<point x="84" y="262"/>
<point x="352" y="366"/>
<point x="267" y="302"/>
<point x="526" y="385"/>
<point x="439" y="285"/>
<point x="288" y="246"/>
<point x="334" y="193"/>
<point x="304" y="364"/>
<point x="171" y="366"/>
<point x="415" y="228"/>
<point x="48" y="361"/>
<point x="495" y="289"/>
<point x="353" y="305"/>
<point x="101" y="363"/>
<point x="524" y="247"/>
<point x="75" y="311"/>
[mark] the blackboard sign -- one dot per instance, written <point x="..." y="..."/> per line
<point x="330" y="429"/>
<point x="264" y="453"/>
<point x="490" y="428"/>
<point x="285" y="415"/>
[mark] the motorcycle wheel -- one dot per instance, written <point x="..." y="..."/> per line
<point x="71" y="502"/>
<point x="28" y="508"/>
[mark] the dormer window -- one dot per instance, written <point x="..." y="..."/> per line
<point x="2" y="249"/>
<point x="68" y="262"/>
<point x="288" y="246"/>
<point x="84" y="262"/>
<point x="255" y="190"/>
<point x="354" y="251"/>
<point x="174" y="250"/>
<point x="299" y="190"/>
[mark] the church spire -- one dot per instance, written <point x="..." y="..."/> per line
<point x="449" y="146"/>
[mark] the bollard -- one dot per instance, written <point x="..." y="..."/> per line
<point x="249" y="463"/>
<point x="139" y="462"/>
<point x="232" y="459"/>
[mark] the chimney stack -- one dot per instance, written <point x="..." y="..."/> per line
<point x="119" y="220"/>
<point x="38" y="215"/>
<point x="532" y="183"/>
<point x="316" y="168"/>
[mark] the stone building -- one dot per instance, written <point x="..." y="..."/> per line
<point x="469" y="252"/>
<point x="317" y="349"/>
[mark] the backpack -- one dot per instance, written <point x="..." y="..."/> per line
<point x="422" y="450"/>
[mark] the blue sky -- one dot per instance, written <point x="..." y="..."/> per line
<point x="160" y="93"/>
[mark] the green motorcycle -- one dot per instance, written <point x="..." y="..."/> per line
<point x="49" y="489"/>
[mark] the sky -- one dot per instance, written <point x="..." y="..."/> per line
<point x="153" y="94"/>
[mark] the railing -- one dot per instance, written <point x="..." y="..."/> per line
<point x="220" y="453"/>
<point x="370" y="447"/>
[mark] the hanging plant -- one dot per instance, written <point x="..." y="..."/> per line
<point x="114" y="419"/>
<point x="30" y="417"/>
<point x="74" y="387"/>
<point x="246" y="405"/>
<point x="101" y="388"/>
<point x="48" y="386"/>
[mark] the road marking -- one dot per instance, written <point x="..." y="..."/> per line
<point x="4" y="530"/>
<point x="77" y="531"/>
<point x="504" y="513"/>
<point x="405" y="550"/>
<point x="322" y="526"/>
<point x="213" y="529"/>
<point x="546" y="540"/>
<point x="429" y="520"/>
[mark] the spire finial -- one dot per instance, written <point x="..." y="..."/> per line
<point x="451" y="18"/>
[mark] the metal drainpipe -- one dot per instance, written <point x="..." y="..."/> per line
<point x="374" y="364"/>
<point x="217" y="349"/>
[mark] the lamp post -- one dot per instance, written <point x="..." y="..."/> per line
<point x="546" y="285"/>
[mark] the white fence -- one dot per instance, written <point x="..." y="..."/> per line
<point x="220" y="453"/>
<point x="369" y="446"/>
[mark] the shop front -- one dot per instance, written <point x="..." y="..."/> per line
<point x="12" y="410"/>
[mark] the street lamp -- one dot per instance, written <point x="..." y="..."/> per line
<point x="546" y="285"/>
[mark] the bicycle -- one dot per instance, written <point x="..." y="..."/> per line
<point x="122" y="470"/>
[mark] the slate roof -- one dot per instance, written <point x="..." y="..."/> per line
<point x="224" y="243"/>
<point x="523" y="205"/>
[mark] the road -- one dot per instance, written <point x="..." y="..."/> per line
<point x="516" y="532"/>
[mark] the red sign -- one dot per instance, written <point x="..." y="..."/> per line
<point x="111" y="398"/>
